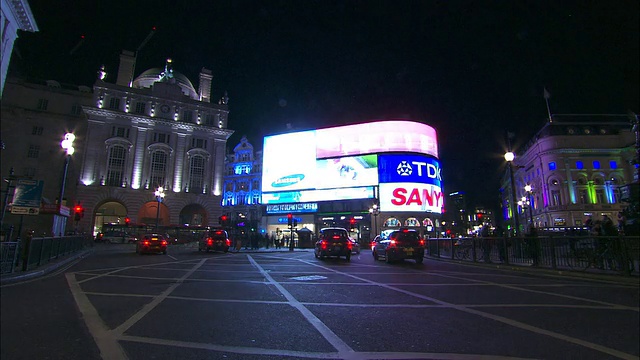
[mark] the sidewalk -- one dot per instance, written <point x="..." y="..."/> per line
<point x="52" y="266"/>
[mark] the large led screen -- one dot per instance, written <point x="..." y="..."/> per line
<point x="411" y="197"/>
<point x="377" y="137"/>
<point x="409" y="168"/>
<point x="338" y="163"/>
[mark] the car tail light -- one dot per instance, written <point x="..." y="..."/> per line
<point x="228" y="242"/>
<point x="373" y="245"/>
<point x="421" y="242"/>
<point x="336" y="237"/>
<point x="209" y="241"/>
<point x="323" y="245"/>
<point x="349" y="245"/>
<point x="392" y="243"/>
<point x="146" y="242"/>
<point x="164" y="242"/>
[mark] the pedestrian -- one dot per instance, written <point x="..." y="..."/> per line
<point x="485" y="242"/>
<point x="238" y="244"/>
<point x="622" y="221"/>
<point x="534" y="246"/>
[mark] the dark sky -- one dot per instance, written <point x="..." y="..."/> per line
<point x="471" y="69"/>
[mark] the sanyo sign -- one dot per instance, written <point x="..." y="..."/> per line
<point x="410" y="183"/>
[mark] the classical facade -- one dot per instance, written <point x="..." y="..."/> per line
<point x="575" y="167"/>
<point x="14" y="15"/>
<point x="242" y="190"/>
<point x="35" y="115"/>
<point x="150" y="132"/>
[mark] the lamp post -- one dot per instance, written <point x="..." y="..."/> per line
<point x="159" y="197"/>
<point x="529" y="190"/>
<point x="67" y="145"/>
<point x="509" y="157"/>
<point x="374" y="210"/>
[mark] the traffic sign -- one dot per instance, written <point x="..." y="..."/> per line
<point x="27" y="197"/>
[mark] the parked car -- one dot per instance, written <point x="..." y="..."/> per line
<point x="215" y="240"/>
<point x="401" y="244"/>
<point x="333" y="242"/>
<point x="152" y="243"/>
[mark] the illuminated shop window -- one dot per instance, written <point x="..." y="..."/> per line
<point x="579" y="165"/>
<point x="596" y="164"/>
<point x="613" y="164"/>
<point x="552" y="166"/>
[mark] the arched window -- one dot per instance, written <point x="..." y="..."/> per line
<point x="196" y="174"/>
<point x="412" y="222"/>
<point x="158" y="169"/>
<point x="115" y="165"/>
<point x="392" y="222"/>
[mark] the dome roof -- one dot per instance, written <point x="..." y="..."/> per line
<point x="149" y="77"/>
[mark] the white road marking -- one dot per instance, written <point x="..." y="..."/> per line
<point x="344" y="350"/>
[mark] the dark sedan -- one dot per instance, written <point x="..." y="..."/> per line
<point x="333" y="242"/>
<point x="152" y="243"/>
<point x="401" y="244"/>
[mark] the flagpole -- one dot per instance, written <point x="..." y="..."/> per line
<point x="547" y="95"/>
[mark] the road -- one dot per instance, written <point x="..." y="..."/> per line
<point x="117" y="305"/>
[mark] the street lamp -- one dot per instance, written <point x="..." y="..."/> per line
<point x="374" y="210"/>
<point x="529" y="190"/>
<point x="67" y="145"/>
<point x="510" y="156"/>
<point x="159" y="197"/>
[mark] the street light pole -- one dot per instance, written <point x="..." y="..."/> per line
<point x="67" y="145"/>
<point x="374" y="210"/>
<point x="159" y="197"/>
<point x="528" y="190"/>
<point x="510" y="156"/>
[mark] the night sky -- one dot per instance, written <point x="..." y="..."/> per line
<point x="471" y="69"/>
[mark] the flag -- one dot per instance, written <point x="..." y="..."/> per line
<point x="546" y="94"/>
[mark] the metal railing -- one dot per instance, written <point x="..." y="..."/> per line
<point x="610" y="254"/>
<point x="31" y="253"/>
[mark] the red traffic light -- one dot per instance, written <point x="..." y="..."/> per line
<point x="289" y="216"/>
<point x="127" y="220"/>
<point x="78" y="209"/>
<point x="224" y="217"/>
<point x="352" y="221"/>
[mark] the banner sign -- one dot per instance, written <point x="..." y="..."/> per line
<point x="27" y="197"/>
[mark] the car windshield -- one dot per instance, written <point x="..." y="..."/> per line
<point x="218" y="235"/>
<point x="406" y="237"/>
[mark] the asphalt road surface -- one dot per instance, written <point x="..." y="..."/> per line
<point x="117" y="305"/>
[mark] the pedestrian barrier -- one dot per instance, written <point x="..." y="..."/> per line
<point x="8" y="256"/>
<point x="31" y="253"/>
<point x="612" y="254"/>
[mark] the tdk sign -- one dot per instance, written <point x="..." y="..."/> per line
<point x="409" y="168"/>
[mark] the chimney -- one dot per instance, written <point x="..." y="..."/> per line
<point x="205" y="85"/>
<point x="125" y="71"/>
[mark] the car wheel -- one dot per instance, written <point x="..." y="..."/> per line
<point x="348" y="257"/>
<point x="419" y="260"/>
<point x="375" y="256"/>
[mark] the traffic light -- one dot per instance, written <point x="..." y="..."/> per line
<point x="222" y="220"/>
<point x="78" y="212"/>
<point x="127" y="220"/>
<point x="290" y="219"/>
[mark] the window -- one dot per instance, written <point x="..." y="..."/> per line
<point x="241" y="199"/>
<point x="198" y="143"/>
<point x="115" y="165"/>
<point x="596" y="164"/>
<point x="158" y="168"/>
<point x="76" y="109"/>
<point x="600" y="196"/>
<point x="583" y="197"/>
<point x="119" y="132"/>
<point x="552" y="166"/>
<point x="208" y="119"/>
<point x="556" y="200"/>
<point x="256" y="198"/>
<point x="29" y="172"/>
<point x="114" y="103"/>
<point x="34" y="151"/>
<point x="140" y="107"/>
<point x="613" y="164"/>
<point x="187" y="116"/>
<point x="615" y="195"/>
<point x="36" y="130"/>
<point x="579" y="165"/>
<point x="43" y="104"/>
<point x="161" y="138"/>
<point x="196" y="174"/>
<point x="256" y="185"/>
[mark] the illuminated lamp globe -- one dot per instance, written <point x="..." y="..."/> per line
<point x="509" y="156"/>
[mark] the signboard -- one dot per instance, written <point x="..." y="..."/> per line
<point x="409" y="168"/>
<point x="411" y="197"/>
<point x="287" y="208"/>
<point x="27" y="197"/>
<point x="341" y="163"/>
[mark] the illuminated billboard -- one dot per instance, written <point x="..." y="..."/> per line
<point x="342" y="163"/>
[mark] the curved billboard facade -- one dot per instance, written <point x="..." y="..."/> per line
<point x="398" y="157"/>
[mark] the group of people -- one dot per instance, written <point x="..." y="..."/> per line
<point x="605" y="226"/>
